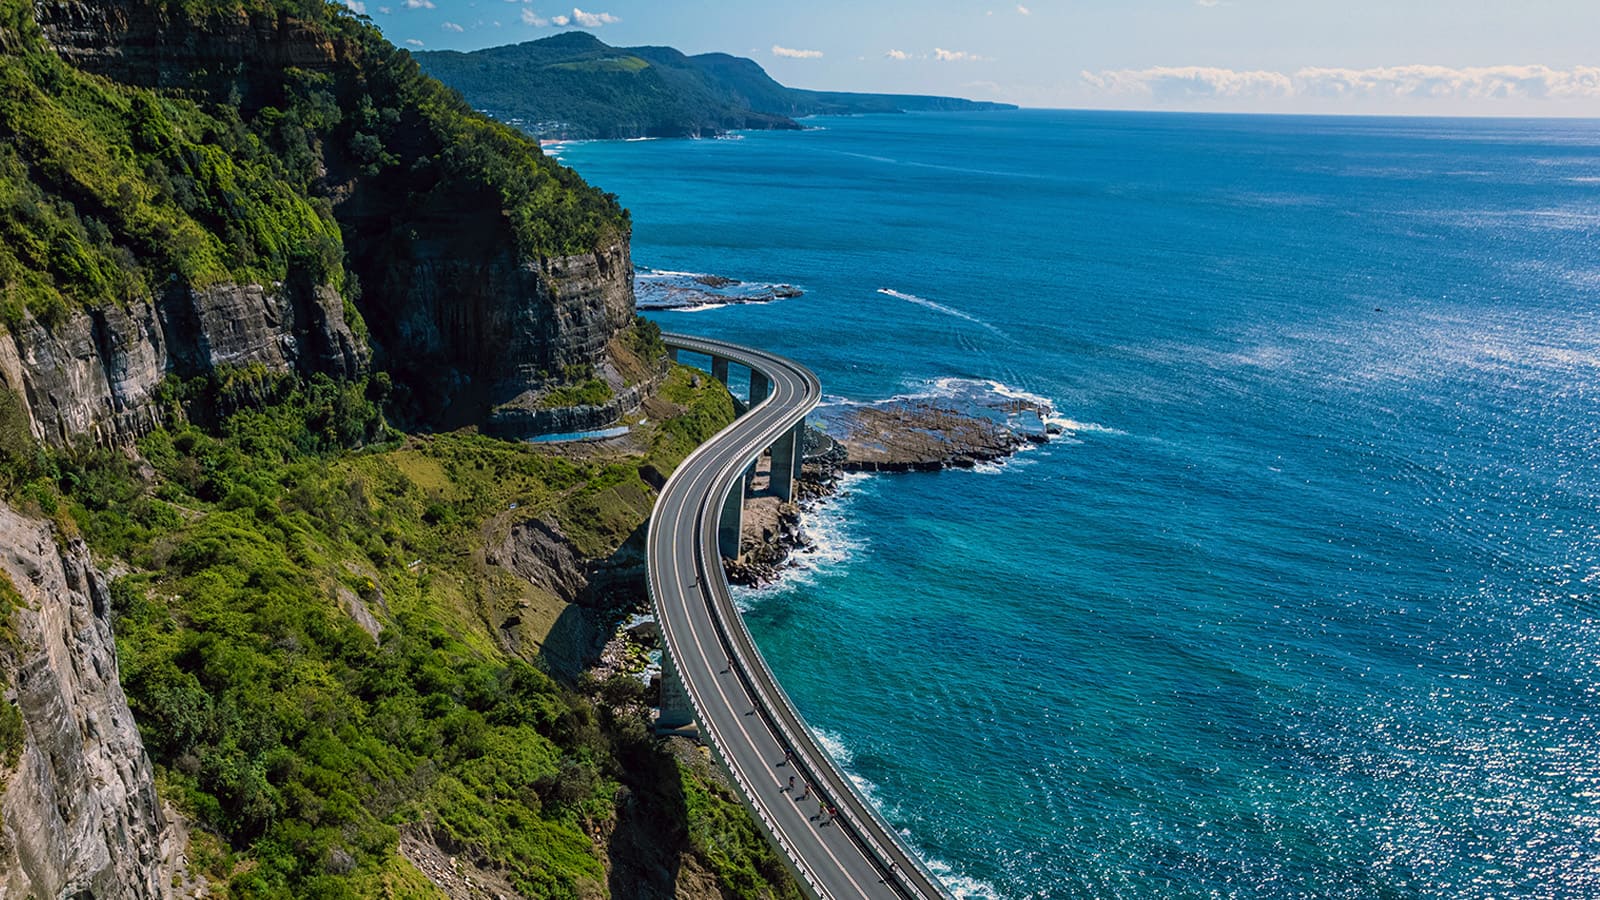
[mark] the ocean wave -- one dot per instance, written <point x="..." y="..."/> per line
<point x="964" y="887"/>
<point x="834" y="744"/>
<point x="832" y="538"/>
<point x="938" y="307"/>
<point x="844" y="757"/>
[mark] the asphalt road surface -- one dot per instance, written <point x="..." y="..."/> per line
<point x="742" y="712"/>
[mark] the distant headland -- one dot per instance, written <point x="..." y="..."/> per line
<point x="574" y="86"/>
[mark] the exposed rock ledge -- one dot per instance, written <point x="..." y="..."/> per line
<point x="79" y="816"/>
<point x="95" y="372"/>
<point x="892" y="436"/>
<point x="926" y="435"/>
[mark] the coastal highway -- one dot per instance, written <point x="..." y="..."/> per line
<point x="742" y="712"/>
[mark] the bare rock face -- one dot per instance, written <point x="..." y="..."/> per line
<point x="95" y="372"/>
<point x="473" y="327"/>
<point x="79" y="816"/>
<point x="536" y="550"/>
<point x="135" y="42"/>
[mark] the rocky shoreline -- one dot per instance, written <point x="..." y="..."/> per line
<point x="901" y="435"/>
<point x="656" y="290"/>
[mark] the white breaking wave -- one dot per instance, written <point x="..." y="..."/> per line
<point x="835" y="746"/>
<point x="669" y="272"/>
<point x="831" y="533"/>
<point x="962" y="886"/>
<point x="938" y="307"/>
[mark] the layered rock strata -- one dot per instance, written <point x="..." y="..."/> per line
<point x="95" y="372"/>
<point x="473" y="325"/>
<point x="79" y="816"/>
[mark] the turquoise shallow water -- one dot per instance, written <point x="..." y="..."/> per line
<point x="1306" y="605"/>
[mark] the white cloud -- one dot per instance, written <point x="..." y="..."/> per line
<point x="451" y="26"/>
<point x="385" y="10"/>
<point x="560" y="20"/>
<point x="944" y="55"/>
<point x="897" y="55"/>
<point x="593" y="20"/>
<point x="791" y="53"/>
<point x="1187" y="82"/>
<point x="529" y="17"/>
<point x="414" y="42"/>
<point x="1208" y="3"/>
<point x="1024" y="10"/>
<point x="1473" y="83"/>
<point x="418" y="4"/>
<point x="1387" y="82"/>
<point x="356" y="6"/>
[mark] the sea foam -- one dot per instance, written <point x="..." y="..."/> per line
<point x="938" y="307"/>
<point x="833" y="539"/>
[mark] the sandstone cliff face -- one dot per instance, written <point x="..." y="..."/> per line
<point x="462" y="316"/>
<point x="133" y="42"/>
<point x="95" y="372"/>
<point x="470" y="326"/>
<point x="79" y="816"/>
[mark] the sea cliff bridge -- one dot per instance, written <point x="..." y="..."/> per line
<point x="712" y="674"/>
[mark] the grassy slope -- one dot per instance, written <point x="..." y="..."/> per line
<point x="303" y="744"/>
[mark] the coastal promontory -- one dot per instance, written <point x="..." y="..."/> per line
<point x="288" y="607"/>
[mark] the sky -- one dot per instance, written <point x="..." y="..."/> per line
<point x="1414" y="57"/>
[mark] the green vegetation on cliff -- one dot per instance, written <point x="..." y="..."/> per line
<point x="328" y="669"/>
<point x="572" y="85"/>
<point x="309" y="745"/>
<point x="110" y="190"/>
<point x="106" y="193"/>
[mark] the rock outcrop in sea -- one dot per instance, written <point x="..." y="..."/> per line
<point x="900" y="435"/>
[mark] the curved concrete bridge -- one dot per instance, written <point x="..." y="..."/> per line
<point x="713" y="675"/>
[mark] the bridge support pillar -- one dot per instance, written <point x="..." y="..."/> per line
<point x="731" y="526"/>
<point x="785" y="464"/>
<point x="672" y="354"/>
<point x="719" y="369"/>
<point x="760" y="387"/>
<point x="799" y="450"/>
<point x="676" y="710"/>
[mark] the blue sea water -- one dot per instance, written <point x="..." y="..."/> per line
<point x="1307" y="603"/>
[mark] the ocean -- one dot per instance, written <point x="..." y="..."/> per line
<point x="1304" y="602"/>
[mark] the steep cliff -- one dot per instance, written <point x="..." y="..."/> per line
<point x="224" y="224"/>
<point x="485" y="270"/>
<point x="79" y="816"/>
<point x="96" y="371"/>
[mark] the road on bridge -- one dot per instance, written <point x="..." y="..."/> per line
<point x="742" y="712"/>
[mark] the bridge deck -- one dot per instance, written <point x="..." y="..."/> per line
<point x="743" y="713"/>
